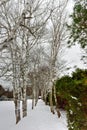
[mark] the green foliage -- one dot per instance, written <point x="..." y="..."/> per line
<point x="79" y="74"/>
<point x="74" y="90"/>
<point x="78" y="28"/>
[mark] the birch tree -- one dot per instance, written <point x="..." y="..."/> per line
<point x="32" y="26"/>
<point x="22" y="25"/>
<point x="58" y="30"/>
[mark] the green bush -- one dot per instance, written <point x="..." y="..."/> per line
<point x="74" y="90"/>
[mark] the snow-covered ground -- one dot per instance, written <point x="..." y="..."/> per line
<point x="38" y="119"/>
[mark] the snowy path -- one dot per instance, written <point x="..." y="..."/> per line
<point x="38" y="119"/>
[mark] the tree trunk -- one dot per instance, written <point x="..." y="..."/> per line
<point x="33" y="99"/>
<point x="15" y="83"/>
<point x="17" y="108"/>
<point x="56" y="103"/>
<point x="24" y="107"/>
<point x="24" y="102"/>
<point x="36" y="96"/>
<point x="51" y="102"/>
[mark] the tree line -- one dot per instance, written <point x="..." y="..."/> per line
<point x="32" y="34"/>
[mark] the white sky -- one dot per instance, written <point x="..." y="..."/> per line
<point x="70" y="6"/>
<point x="73" y="56"/>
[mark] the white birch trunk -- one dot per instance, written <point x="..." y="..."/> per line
<point x="33" y="92"/>
<point x="58" y="19"/>
<point x="33" y="99"/>
<point x="36" y="95"/>
<point x="50" y="93"/>
<point x="51" y="101"/>
<point x="24" y="102"/>
<point x="15" y="84"/>
<point x="56" y="103"/>
<point x="24" y="98"/>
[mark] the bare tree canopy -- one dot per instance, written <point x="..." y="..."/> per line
<point x="32" y="34"/>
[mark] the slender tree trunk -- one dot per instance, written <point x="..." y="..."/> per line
<point x="17" y="104"/>
<point x="24" y="100"/>
<point x="51" y="102"/>
<point x="33" y="92"/>
<point x="33" y="96"/>
<point x="37" y="96"/>
<point x="43" y="95"/>
<point x="17" y="108"/>
<point x="51" y="86"/>
<point x="56" y="103"/>
<point x="15" y="84"/>
<point x="24" y="107"/>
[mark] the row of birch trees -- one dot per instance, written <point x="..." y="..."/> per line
<point x="32" y="34"/>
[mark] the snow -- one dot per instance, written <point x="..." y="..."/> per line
<point x="38" y="119"/>
<point x="74" y="98"/>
